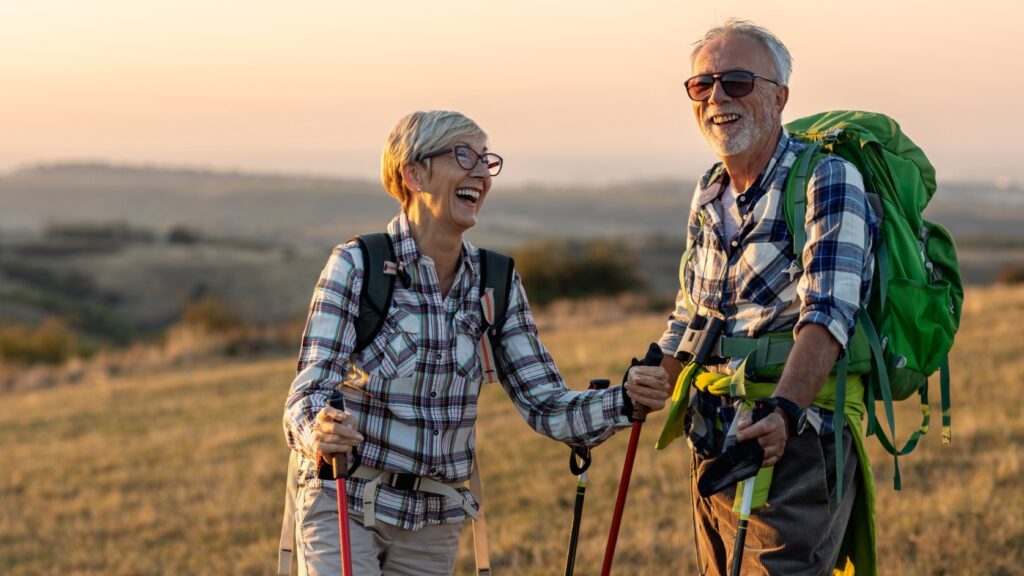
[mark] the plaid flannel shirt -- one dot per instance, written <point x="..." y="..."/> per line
<point x="752" y="280"/>
<point x="413" y="391"/>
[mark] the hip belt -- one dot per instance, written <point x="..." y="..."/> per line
<point x="404" y="481"/>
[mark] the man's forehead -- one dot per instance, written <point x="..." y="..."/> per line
<point x="733" y="52"/>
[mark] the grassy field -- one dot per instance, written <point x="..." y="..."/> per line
<point x="183" y="472"/>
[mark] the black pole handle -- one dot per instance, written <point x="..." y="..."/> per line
<point x="338" y="403"/>
<point x="653" y="357"/>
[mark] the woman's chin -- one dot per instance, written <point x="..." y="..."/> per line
<point x="464" y="221"/>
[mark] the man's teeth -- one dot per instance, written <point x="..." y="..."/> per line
<point x="723" y="118"/>
<point x="468" y="194"/>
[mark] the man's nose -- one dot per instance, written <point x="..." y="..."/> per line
<point x="718" y="94"/>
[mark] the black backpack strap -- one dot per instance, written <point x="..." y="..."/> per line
<point x="496" y="273"/>
<point x="379" y="271"/>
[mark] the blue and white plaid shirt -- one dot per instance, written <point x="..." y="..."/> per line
<point x="413" y="390"/>
<point x="752" y="280"/>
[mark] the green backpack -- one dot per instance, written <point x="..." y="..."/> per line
<point x="905" y="332"/>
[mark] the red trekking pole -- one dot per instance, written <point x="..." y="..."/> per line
<point x="653" y="358"/>
<point x="341" y="473"/>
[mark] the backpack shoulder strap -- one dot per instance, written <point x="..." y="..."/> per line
<point x="379" y="271"/>
<point x="495" y="274"/>
<point x="794" y="197"/>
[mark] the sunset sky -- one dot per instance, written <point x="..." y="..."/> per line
<point x="569" y="91"/>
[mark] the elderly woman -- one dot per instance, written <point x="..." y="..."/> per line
<point x="411" y="393"/>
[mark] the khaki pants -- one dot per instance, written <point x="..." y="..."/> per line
<point x="382" y="550"/>
<point x="799" y="531"/>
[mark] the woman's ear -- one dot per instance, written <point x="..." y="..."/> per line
<point x="412" y="175"/>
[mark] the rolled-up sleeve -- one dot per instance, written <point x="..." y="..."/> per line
<point x="837" y="258"/>
<point x="532" y="381"/>
<point x="327" y="344"/>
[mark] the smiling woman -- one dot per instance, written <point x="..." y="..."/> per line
<point x="411" y="392"/>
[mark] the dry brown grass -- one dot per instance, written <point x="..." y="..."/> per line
<point x="182" y="472"/>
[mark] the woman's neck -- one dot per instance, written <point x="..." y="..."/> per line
<point x="440" y="243"/>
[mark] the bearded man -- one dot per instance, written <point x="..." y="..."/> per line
<point x="741" y="282"/>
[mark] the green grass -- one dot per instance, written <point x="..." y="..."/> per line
<point x="183" y="472"/>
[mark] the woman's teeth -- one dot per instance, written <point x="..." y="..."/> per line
<point x="468" y="194"/>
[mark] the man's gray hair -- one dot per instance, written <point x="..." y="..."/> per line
<point x="417" y="134"/>
<point x="781" y="56"/>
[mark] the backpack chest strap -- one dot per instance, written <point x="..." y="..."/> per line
<point x="768" y="350"/>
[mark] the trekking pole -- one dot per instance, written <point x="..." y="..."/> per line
<point x="741" y="531"/>
<point x="341" y="473"/>
<point x="759" y="412"/>
<point x="653" y="358"/>
<point x="579" y="468"/>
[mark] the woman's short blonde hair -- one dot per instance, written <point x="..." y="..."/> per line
<point x="417" y="134"/>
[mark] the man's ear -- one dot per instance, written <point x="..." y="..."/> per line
<point x="781" y="98"/>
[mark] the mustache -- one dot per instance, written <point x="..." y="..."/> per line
<point x="710" y="114"/>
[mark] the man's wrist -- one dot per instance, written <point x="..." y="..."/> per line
<point x="792" y="414"/>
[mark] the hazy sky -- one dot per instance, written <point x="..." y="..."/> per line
<point x="571" y="90"/>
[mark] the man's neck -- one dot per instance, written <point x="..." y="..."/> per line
<point x="744" y="168"/>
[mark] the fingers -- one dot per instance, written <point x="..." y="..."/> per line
<point x="327" y="450"/>
<point x="649" y="386"/>
<point x="333" y="432"/>
<point x="328" y="414"/>
<point x="770" y="433"/>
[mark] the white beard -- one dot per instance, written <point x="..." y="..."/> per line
<point x="751" y="131"/>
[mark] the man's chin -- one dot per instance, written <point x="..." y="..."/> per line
<point x="728" y="148"/>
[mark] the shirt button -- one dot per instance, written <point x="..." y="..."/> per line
<point x="438" y="355"/>
<point x="735" y="243"/>
<point x="433" y="472"/>
<point x="433" y="394"/>
<point x="436" y="432"/>
<point x="742" y="199"/>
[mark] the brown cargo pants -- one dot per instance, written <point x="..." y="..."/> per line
<point x="800" y="529"/>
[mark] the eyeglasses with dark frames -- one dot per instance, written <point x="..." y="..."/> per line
<point x="736" y="83"/>
<point x="467" y="158"/>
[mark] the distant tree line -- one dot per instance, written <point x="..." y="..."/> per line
<point x="572" y="269"/>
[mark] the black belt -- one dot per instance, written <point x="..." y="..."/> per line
<point x="397" y="480"/>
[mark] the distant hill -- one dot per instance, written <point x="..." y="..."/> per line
<point x="297" y="209"/>
<point x="265" y="237"/>
<point x="282" y="208"/>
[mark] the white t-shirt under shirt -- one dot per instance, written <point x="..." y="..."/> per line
<point x="729" y="212"/>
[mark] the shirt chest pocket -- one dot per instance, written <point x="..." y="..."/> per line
<point x="394" y="351"/>
<point x="467" y="343"/>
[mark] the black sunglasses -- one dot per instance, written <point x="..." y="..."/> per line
<point x="468" y="158"/>
<point x="736" y="83"/>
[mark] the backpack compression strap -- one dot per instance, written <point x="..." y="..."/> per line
<point x="379" y="271"/>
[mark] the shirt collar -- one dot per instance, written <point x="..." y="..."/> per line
<point x="716" y="180"/>
<point x="406" y="250"/>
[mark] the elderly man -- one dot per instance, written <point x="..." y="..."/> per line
<point x="741" y="282"/>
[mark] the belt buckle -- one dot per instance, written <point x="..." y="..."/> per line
<point x="401" y="481"/>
